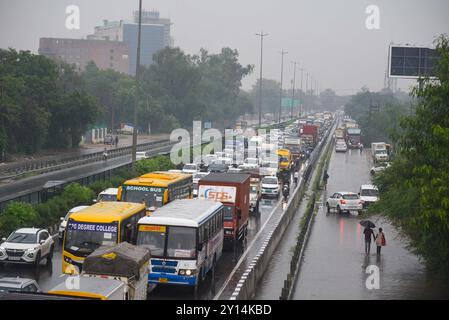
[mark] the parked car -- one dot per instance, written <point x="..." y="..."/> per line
<point x="341" y="146"/>
<point x="270" y="186"/>
<point x="190" y="168"/>
<point x="344" y="201"/>
<point x="369" y="194"/>
<point x="381" y="166"/>
<point x="19" y="285"/>
<point x="64" y="220"/>
<point x="27" y="245"/>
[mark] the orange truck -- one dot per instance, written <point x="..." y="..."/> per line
<point x="231" y="189"/>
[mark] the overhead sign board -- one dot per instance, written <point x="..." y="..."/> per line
<point x="412" y="62"/>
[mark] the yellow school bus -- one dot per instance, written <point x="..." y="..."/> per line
<point x="157" y="188"/>
<point x="104" y="223"/>
<point x="285" y="159"/>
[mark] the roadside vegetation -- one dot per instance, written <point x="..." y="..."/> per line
<point x="414" y="191"/>
<point x="19" y="215"/>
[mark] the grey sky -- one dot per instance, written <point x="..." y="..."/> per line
<point x="328" y="38"/>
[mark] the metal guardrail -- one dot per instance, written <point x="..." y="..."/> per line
<point x="38" y="166"/>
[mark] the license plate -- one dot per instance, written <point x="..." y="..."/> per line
<point x="14" y="258"/>
<point x="163" y="280"/>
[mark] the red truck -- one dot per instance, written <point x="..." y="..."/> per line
<point x="309" y="134"/>
<point x="231" y="189"/>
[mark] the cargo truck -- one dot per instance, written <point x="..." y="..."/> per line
<point x="353" y="137"/>
<point x="231" y="189"/>
<point x="379" y="152"/>
<point x="309" y="135"/>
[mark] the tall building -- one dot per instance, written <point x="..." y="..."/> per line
<point x="155" y="35"/>
<point x="106" y="54"/>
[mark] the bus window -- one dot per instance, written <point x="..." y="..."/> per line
<point x="181" y="242"/>
<point x="153" y="238"/>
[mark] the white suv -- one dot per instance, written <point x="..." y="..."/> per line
<point x="270" y="186"/>
<point x="369" y="194"/>
<point x="27" y="245"/>
<point x="345" y="201"/>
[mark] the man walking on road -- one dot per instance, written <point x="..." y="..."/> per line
<point x="325" y="178"/>
<point x="116" y="141"/>
<point x="368" y="234"/>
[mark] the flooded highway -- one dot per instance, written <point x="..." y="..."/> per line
<point x="335" y="264"/>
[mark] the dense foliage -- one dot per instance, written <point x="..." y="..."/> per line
<point x="414" y="192"/>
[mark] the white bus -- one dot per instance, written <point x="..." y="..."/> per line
<point x="185" y="238"/>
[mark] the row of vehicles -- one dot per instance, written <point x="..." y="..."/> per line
<point x="346" y="201"/>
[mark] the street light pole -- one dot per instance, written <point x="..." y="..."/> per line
<point x="305" y="94"/>
<point x="136" y="102"/>
<point x="301" y="96"/>
<point x="293" y="85"/>
<point x="261" y="35"/>
<point x="282" y="76"/>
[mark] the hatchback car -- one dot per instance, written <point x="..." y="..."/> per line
<point x="270" y="186"/>
<point x="28" y="246"/>
<point x="344" y="201"/>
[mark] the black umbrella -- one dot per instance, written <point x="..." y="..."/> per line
<point x="367" y="224"/>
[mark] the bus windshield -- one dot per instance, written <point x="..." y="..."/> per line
<point x="82" y="238"/>
<point x="168" y="241"/>
<point x="153" y="196"/>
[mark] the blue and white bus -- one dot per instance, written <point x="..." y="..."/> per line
<point x="185" y="238"/>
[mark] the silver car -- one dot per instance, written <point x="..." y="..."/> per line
<point x="19" y="285"/>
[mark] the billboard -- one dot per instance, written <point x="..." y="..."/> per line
<point x="411" y="62"/>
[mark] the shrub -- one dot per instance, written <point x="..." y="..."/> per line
<point x="17" y="215"/>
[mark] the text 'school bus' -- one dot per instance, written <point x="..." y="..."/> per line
<point x="231" y="189"/>
<point x="185" y="238"/>
<point x="157" y="188"/>
<point x="104" y="223"/>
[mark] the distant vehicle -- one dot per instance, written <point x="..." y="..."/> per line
<point x="339" y="133"/>
<point x="109" y="194"/>
<point x="309" y="134"/>
<point x="109" y="139"/>
<point x="196" y="177"/>
<point x="270" y="186"/>
<point x="269" y="168"/>
<point x="379" y="151"/>
<point x="19" y="285"/>
<point x="344" y="201"/>
<point x="379" y="168"/>
<point x="340" y="146"/>
<point x="190" y="168"/>
<point x="369" y="194"/>
<point x="27" y="245"/>
<point x="255" y="194"/>
<point x="252" y="161"/>
<point x="285" y="159"/>
<point x="64" y="220"/>
<point x="140" y="155"/>
<point x="353" y="137"/>
<point x="218" y="167"/>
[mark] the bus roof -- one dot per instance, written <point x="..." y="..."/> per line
<point x="107" y="211"/>
<point x="283" y="152"/>
<point x="182" y="212"/>
<point x="158" y="179"/>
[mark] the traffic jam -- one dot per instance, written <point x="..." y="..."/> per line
<point x="172" y="228"/>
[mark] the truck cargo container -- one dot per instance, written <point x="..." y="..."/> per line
<point x="309" y="134"/>
<point x="231" y="189"/>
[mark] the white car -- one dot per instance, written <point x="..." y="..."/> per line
<point x="270" y="186"/>
<point x="64" y="220"/>
<point x="190" y="168"/>
<point x="379" y="167"/>
<point x="252" y="161"/>
<point x="109" y="194"/>
<point x="27" y="245"/>
<point x="16" y="284"/>
<point x="369" y="194"/>
<point x="344" y="201"/>
<point x="341" y="146"/>
<point x="142" y="155"/>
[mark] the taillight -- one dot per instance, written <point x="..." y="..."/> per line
<point x="342" y="201"/>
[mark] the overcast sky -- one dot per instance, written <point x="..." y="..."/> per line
<point x="328" y="37"/>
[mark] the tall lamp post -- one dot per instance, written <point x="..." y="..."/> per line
<point x="261" y="35"/>
<point x="301" y="95"/>
<point x="293" y="86"/>
<point x="282" y="75"/>
<point x="136" y="103"/>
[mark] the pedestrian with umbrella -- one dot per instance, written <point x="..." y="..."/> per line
<point x="368" y="232"/>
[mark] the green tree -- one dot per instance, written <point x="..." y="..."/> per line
<point x="414" y="192"/>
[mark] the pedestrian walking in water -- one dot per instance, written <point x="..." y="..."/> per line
<point x="380" y="240"/>
<point x="325" y="178"/>
<point x="368" y="234"/>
